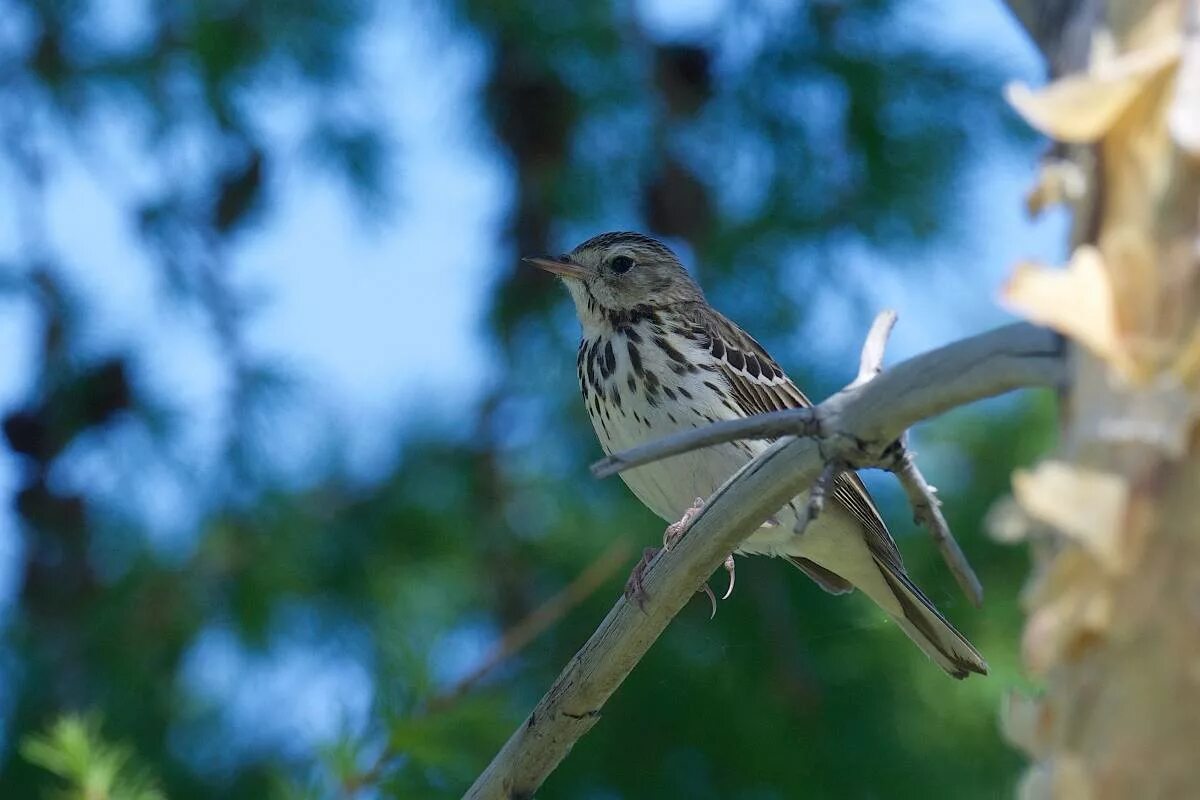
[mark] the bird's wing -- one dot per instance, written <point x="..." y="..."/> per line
<point x="758" y="385"/>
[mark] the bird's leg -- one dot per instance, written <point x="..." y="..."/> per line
<point x="676" y="530"/>
<point x="634" y="590"/>
<point x="817" y="494"/>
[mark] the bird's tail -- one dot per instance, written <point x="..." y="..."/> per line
<point x="931" y="632"/>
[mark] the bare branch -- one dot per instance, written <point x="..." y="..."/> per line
<point x="793" y="422"/>
<point x="926" y="507"/>
<point x="870" y="362"/>
<point x="927" y="511"/>
<point x="858" y="426"/>
<point x="989" y="364"/>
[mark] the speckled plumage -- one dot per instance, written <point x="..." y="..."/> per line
<point x="655" y="358"/>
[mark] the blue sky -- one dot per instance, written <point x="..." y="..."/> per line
<point x="329" y="280"/>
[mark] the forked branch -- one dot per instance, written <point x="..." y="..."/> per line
<point x="899" y="460"/>
<point x="927" y="512"/>
<point x="857" y="426"/>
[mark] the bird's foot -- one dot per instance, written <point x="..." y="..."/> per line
<point x="635" y="591"/>
<point x="676" y="530"/>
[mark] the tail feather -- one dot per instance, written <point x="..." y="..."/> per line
<point x="828" y="580"/>
<point x="929" y="630"/>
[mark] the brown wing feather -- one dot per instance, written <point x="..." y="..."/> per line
<point x="767" y="388"/>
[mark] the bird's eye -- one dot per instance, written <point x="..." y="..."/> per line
<point x="622" y="264"/>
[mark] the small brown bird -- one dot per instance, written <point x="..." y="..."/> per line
<point x="656" y="358"/>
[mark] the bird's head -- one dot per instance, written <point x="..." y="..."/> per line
<point x="613" y="274"/>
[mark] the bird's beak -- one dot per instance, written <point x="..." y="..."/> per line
<point x="563" y="267"/>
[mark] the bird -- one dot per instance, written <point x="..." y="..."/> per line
<point x="656" y="358"/>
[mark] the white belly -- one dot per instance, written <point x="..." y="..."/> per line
<point x="669" y="487"/>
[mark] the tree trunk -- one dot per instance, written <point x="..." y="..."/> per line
<point x="1113" y="605"/>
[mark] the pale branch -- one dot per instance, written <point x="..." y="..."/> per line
<point x="792" y="422"/>
<point x="1016" y="356"/>
<point x="927" y="511"/>
<point x="926" y="508"/>
<point x="870" y="362"/>
<point x="857" y="426"/>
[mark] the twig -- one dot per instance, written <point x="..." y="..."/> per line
<point x="904" y="395"/>
<point x="793" y="422"/>
<point x="927" y="511"/>
<point x="859" y="425"/>
<point x="870" y="362"/>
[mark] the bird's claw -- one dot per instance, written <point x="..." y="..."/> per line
<point x="676" y="530"/>
<point x="712" y="598"/>
<point x="635" y="590"/>
<point x="729" y="568"/>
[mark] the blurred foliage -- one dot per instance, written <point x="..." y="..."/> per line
<point x="74" y="750"/>
<point x="762" y="147"/>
